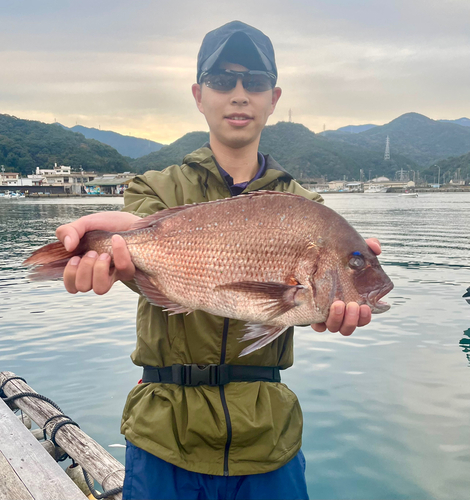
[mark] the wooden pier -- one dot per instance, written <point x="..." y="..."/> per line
<point x="28" y="471"/>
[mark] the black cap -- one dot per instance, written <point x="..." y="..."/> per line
<point x="238" y="43"/>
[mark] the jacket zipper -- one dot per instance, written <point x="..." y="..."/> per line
<point x="224" y="402"/>
<point x="221" y="387"/>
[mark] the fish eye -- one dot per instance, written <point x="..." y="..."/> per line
<point x="356" y="261"/>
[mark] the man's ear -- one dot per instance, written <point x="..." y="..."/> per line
<point x="197" y="93"/>
<point x="276" y="96"/>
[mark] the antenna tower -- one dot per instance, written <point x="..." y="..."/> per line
<point x="290" y="115"/>
<point x="387" y="149"/>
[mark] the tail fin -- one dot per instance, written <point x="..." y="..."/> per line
<point x="51" y="261"/>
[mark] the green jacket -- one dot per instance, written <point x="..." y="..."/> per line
<point x="237" y="429"/>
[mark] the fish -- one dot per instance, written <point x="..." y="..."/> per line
<point x="270" y="259"/>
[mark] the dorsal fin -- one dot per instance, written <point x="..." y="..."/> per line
<point x="150" y="220"/>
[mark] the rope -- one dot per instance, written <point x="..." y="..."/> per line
<point x="96" y="494"/>
<point x="2" y="394"/>
<point x="31" y="395"/>
<point x="56" y="427"/>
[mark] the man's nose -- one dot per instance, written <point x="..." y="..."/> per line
<point x="239" y="94"/>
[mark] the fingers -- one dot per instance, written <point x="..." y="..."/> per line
<point x="91" y="272"/>
<point x="70" y="273"/>
<point x="318" y="327"/>
<point x="336" y="316"/>
<point x="70" y="234"/>
<point x="125" y="269"/>
<point x="84" y="276"/>
<point x="351" y="319"/>
<point x="365" y="315"/>
<point x="374" y="245"/>
<point x="345" y="318"/>
<point x="103" y="279"/>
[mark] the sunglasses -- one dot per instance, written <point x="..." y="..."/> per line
<point x="226" y="80"/>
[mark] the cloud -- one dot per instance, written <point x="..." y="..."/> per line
<point x="129" y="66"/>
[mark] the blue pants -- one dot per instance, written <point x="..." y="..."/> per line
<point x="150" y="478"/>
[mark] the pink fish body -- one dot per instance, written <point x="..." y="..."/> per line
<point x="271" y="259"/>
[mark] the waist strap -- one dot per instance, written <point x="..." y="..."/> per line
<point x="193" y="375"/>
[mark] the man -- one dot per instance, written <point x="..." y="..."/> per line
<point x="231" y="430"/>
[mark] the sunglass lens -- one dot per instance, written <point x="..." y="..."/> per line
<point x="257" y="83"/>
<point x="224" y="82"/>
<point x="221" y="82"/>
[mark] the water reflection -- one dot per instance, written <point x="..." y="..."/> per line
<point x="465" y="344"/>
<point x="385" y="410"/>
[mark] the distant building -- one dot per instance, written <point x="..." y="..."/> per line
<point x="114" y="184"/>
<point x="62" y="176"/>
<point x="9" y="178"/>
<point x="60" y="179"/>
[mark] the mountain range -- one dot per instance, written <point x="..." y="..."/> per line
<point x="27" y="144"/>
<point x="416" y="143"/>
<point x="356" y="129"/>
<point x="415" y="136"/>
<point x="300" y="151"/>
<point x="125" y="145"/>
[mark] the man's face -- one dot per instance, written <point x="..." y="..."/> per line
<point x="237" y="117"/>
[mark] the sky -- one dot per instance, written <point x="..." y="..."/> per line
<point x="128" y="66"/>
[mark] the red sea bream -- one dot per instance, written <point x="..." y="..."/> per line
<point x="271" y="259"/>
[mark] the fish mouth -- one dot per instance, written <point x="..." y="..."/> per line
<point x="376" y="305"/>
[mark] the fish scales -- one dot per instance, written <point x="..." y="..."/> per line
<point x="271" y="259"/>
<point x="206" y="247"/>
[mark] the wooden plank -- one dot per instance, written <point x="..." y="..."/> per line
<point x="40" y="474"/>
<point x="100" y="464"/>
<point x="11" y="487"/>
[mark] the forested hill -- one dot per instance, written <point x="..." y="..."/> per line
<point x="26" y="144"/>
<point x="125" y="145"/>
<point x="300" y="151"/>
<point x="457" y="167"/>
<point x="415" y="136"/>
<point x="171" y="154"/>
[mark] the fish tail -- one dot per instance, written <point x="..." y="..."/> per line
<point x="49" y="253"/>
<point x="50" y="261"/>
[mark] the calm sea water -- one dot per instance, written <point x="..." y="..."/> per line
<point x="386" y="411"/>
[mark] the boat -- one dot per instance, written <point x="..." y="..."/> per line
<point x="409" y="194"/>
<point x="376" y="189"/>
<point x="10" y="195"/>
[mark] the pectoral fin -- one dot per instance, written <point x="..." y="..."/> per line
<point x="274" y="299"/>
<point x="155" y="297"/>
<point x="267" y="332"/>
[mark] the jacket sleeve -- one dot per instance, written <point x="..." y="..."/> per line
<point x="141" y="197"/>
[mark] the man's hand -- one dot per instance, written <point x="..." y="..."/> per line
<point x="93" y="271"/>
<point x="346" y="318"/>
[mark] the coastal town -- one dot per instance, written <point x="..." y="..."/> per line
<point x="63" y="181"/>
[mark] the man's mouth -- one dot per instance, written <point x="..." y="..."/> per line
<point x="238" y="119"/>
